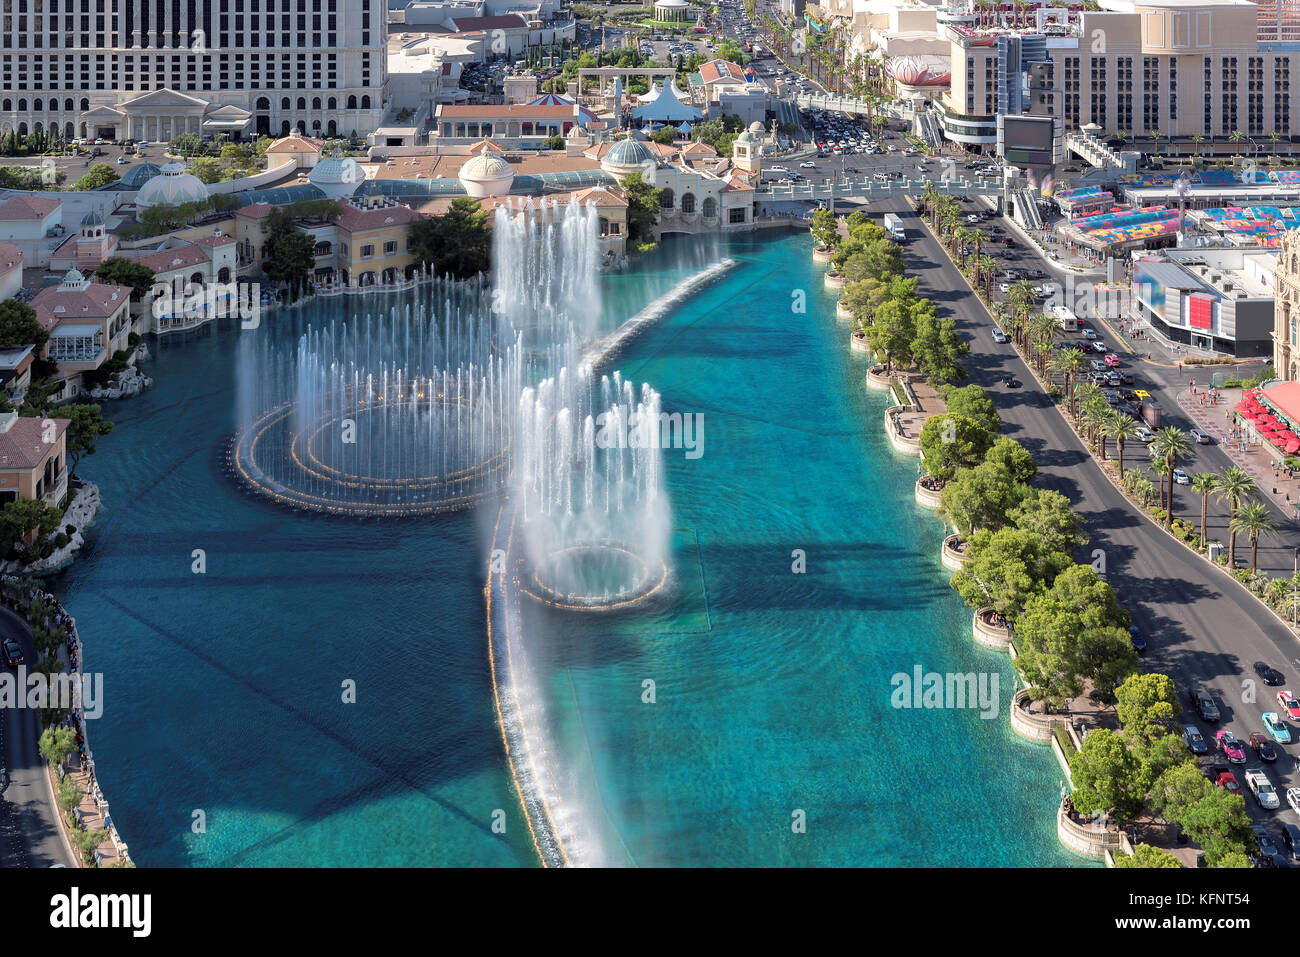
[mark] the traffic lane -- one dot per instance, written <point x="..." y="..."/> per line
<point x="26" y="806"/>
<point x="1200" y="624"/>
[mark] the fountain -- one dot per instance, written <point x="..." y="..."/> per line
<point x="399" y="414"/>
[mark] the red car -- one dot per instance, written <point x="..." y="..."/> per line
<point x="1263" y="746"/>
<point x="1227" y="780"/>
<point x="1288" y="703"/>
<point x="1233" y="749"/>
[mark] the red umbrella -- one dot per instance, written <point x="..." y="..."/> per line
<point x="1288" y="434"/>
<point x="1292" y="446"/>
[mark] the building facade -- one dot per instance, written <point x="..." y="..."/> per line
<point x="152" y="69"/>
<point x="1286" y="309"/>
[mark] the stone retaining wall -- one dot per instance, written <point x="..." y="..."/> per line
<point x="1035" y="727"/>
<point x="858" y="343"/>
<point x="834" y="281"/>
<point x="951" y="557"/>
<point x="842" y="311"/>
<point x="1086" y="840"/>
<point x="927" y="497"/>
<point x="992" y="636"/>
<point x="899" y="442"/>
<point x="820" y="256"/>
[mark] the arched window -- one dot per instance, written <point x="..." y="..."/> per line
<point x="302" y="126"/>
<point x="352" y="102"/>
<point x="197" y="279"/>
<point x="365" y="102"/>
<point x="302" y="102"/>
<point x="688" y="202"/>
<point x="22" y="106"/>
<point x="263" y="103"/>
<point x="666" y="198"/>
<point x="710" y="206"/>
<point x="284" y="127"/>
<point x="284" y="103"/>
<point x="69" y="130"/>
<point x="315" y="102"/>
<point x="67" y="105"/>
<point x="85" y="103"/>
<point x="332" y="103"/>
<point x="332" y="129"/>
<point x="8" y="105"/>
<point x="37" y="105"/>
<point x="315" y="125"/>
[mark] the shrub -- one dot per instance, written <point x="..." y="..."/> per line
<point x="70" y="529"/>
<point x="61" y="540"/>
<point x="1063" y="739"/>
<point x="1242" y="575"/>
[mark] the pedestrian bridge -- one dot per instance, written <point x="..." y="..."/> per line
<point x="870" y="188"/>
<point x="849" y="104"/>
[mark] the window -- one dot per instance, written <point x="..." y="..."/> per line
<point x="390" y="247"/>
<point x="367" y="250"/>
<point x="736" y="215"/>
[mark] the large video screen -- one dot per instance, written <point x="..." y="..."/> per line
<point x="1032" y="133"/>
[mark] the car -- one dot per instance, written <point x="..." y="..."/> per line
<point x="1181" y="477"/>
<point x="1088" y="334"/>
<point x="1287" y="702"/>
<point x="1097" y="365"/>
<point x="1276" y="728"/>
<point x="1098" y="345"/>
<point x="1232" y="747"/>
<point x="1268" y="853"/>
<point x="1000" y="336"/>
<point x="1228" y="781"/>
<point x="1112" y="398"/>
<point x="1097" y="376"/>
<point x="1291" y="833"/>
<point x="1137" y="641"/>
<point x="1111" y="359"/>
<point x="1145" y="435"/>
<point x="1263" y="790"/>
<point x="1005" y="287"/>
<point x="1200" y="437"/>
<point x="1263" y="746"/>
<point x="1113" y="380"/>
<point x="1008" y="242"/>
<point x="1194" y="740"/>
<point x="1293" y="798"/>
<point x="1268" y="674"/>
<point x="121" y="160"/>
<point x="1127" y="378"/>
<point x="13" y="653"/>
<point x="1205" y="705"/>
<point x="807" y="165"/>
<point x="1011" y="382"/>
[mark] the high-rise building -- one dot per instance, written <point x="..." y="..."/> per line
<point x="1278" y="20"/>
<point x="151" y="69"/>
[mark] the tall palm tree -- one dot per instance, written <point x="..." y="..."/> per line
<point x="1084" y="393"/>
<point x="1197" y="139"/>
<point x="1233" y="486"/>
<point x="1023" y="300"/>
<point x="1205" y="483"/>
<point x="1171" y="444"/>
<point x="1042" y="328"/>
<point x="987" y="265"/>
<point x="1121" y="428"/>
<point x="1253" y="518"/>
<point x="961" y="235"/>
<point x="1094" y="413"/>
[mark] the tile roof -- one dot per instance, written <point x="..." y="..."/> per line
<point x="22" y="208"/>
<point x="99" y="300"/>
<point x="165" y="260"/>
<point x="716" y="70"/>
<point x="23" y="446"/>
<point x="10" y="256"/>
<point x="354" y="219"/>
<point x="255" y="211"/>
<point x="296" y="144"/>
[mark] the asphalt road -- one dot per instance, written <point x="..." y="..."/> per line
<point x="29" y="829"/>
<point x="1201" y="627"/>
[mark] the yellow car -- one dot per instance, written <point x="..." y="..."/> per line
<point x="1142" y="393"/>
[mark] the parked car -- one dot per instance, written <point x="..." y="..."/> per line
<point x="1137" y="641"/>
<point x="1127" y="378"/>
<point x="1276" y="728"/>
<point x="1290" y="707"/>
<point x="1194" y="740"/>
<point x="1268" y="854"/>
<point x="1291" y="833"/>
<point x="1263" y="746"/>
<point x="1200" y="437"/>
<point x="1099" y="346"/>
<point x="1270" y="675"/>
<point x="1111" y="359"/>
<point x="1097" y="365"/>
<point x="1263" y="790"/>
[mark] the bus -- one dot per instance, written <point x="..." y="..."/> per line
<point x="1067" y="319"/>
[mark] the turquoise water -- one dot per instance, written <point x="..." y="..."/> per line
<point x="223" y="690"/>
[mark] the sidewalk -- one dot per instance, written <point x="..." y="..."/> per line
<point x="1256" y="459"/>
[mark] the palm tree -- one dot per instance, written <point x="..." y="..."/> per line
<point x="979" y="238"/>
<point x="1120" y="428"/>
<point x="961" y="236"/>
<point x="1144" y="488"/>
<point x="1084" y="393"/>
<point x="930" y="197"/>
<point x="1197" y="139"/>
<point x="1042" y="328"/>
<point x="1253" y="518"/>
<point x="1233" y="486"/>
<point x="1171" y="444"/>
<point x="1094" y="412"/>
<point x="1022" y="301"/>
<point x="987" y="265"/>
<point x="1156" y="136"/>
<point x="1205" y="483"/>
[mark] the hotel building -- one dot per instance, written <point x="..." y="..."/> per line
<point x="1181" y="68"/>
<point x="152" y="69"/>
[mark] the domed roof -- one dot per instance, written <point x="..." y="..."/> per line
<point x="137" y="176"/>
<point x="92" y="218"/>
<point x="756" y="128"/>
<point x="486" y="165"/>
<point x="629" y="152"/>
<point x="172" y="188"/>
<point x="336" y="169"/>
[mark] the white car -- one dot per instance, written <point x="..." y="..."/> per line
<point x="1000" y="336"/>
<point x="1293" y="799"/>
<point x="807" y="165"/>
<point x="1264" y="792"/>
<point x="1005" y="287"/>
<point x="1089" y="334"/>
<point x="1145" y="435"/>
<point x="1181" y="477"/>
<point x="1200" y="437"/>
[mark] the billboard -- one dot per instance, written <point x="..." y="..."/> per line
<point x="1027" y="140"/>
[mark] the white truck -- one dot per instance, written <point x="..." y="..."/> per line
<point x="894" y="225"/>
<point x="1264" y="791"/>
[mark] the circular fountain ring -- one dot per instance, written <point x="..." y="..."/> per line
<point x="339" y="491"/>
<point x="592" y="569"/>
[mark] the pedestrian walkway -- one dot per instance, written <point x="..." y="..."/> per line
<point x="1257" y="458"/>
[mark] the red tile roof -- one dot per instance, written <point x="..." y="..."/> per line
<point x="716" y="70"/>
<point x="165" y="260"/>
<point x="11" y="257"/>
<point x="99" y="300"/>
<point x="255" y="211"/>
<point x="23" y="208"/>
<point x="23" y="445"/>
<point x="354" y="219"/>
<point x="296" y="144"/>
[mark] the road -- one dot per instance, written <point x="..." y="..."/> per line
<point x="1201" y="627"/>
<point x="29" y="830"/>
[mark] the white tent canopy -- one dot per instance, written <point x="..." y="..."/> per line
<point x="667" y="106"/>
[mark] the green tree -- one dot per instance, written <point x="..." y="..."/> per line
<point x="1005" y="568"/>
<point x="1253" y="519"/>
<point x="20" y="517"/>
<point x="893" y="332"/>
<point x="86" y="425"/>
<point x="1218" y="822"/>
<point x="290" y="252"/>
<point x="980" y="497"/>
<point x="1012" y="456"/>
<point x="665" y="135"/>
<point x="1233" y="486"/>
<point x="127" y="272"/>
<point x="99" y="174"/>
<point x="207" y="169"/>
<point x="950" y="442"/>
<point x="56" y="744"/>
<point x="825" y="228"/>
<point x="643" y="204"/>
<point x="1147" y="705"/>
<point x="457" y="243"/>
<point x="1171" y="446"/>
<point x="974" y="403"/>
<point x="19" y="326"/>
<point x="938" y="349"/>
<point x="1048" y="517"/>
<point x="1106" y="776"/>
<point x="555" y="142"/>
<point x="186" y="144"/>
<point x="1144" y="855"/>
